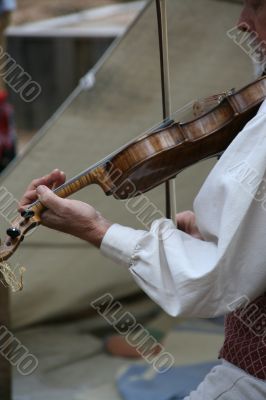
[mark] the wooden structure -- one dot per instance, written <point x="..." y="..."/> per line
<point x="57" y="52"/>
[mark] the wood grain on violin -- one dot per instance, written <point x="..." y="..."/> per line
<point x="156" y="157"/>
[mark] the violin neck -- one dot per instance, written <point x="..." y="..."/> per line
<point x="91" y="176"/>
<point x="94" y="175"/>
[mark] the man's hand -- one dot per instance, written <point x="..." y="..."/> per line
<point x="186" y="222"/>
<point x="68" y="216"/>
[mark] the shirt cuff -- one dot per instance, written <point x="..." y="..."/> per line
<point x="120" y="242"/>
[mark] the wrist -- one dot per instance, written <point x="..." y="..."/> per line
<point x="96" y="234"/>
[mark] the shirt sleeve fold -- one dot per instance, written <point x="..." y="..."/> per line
<point x="169" y="265"/>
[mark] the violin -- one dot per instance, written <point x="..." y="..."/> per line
<point x="156" y="157"/>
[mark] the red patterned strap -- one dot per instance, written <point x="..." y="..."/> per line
<point x="245" y="338"/>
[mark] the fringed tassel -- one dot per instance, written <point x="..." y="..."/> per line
<point x="12" y="278"/>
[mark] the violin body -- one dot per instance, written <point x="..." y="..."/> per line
<point x="161" y="155"/>
<point x="154" y="158"/>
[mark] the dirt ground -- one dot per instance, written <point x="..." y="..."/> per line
<point x="32" y="10"/>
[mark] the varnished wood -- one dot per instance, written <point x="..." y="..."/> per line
<point x="159" y="156"/>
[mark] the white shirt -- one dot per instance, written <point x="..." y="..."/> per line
<point x="191" y="277"/>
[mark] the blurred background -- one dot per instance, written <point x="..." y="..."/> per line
<point x="30" y="11"/>
<point x="39" y="53"/>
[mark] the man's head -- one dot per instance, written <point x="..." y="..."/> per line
<point x="254" y="16"/>
<point x="253" y="20"/>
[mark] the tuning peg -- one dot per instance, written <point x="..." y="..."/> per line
<point x="27" y="214"/>
<point x="13" y="232"/>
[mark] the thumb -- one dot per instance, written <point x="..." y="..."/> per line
<point x="48" y="198"/>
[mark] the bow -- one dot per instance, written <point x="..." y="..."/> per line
<point x="170" y="199"/>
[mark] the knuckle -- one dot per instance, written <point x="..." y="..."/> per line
<point x="35" y="182"/>
<point x="44" y="197"/>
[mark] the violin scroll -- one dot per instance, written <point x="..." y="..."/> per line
<point x="22" y="225"/>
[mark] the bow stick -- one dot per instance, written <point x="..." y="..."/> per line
<point x="170" y="198"/>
